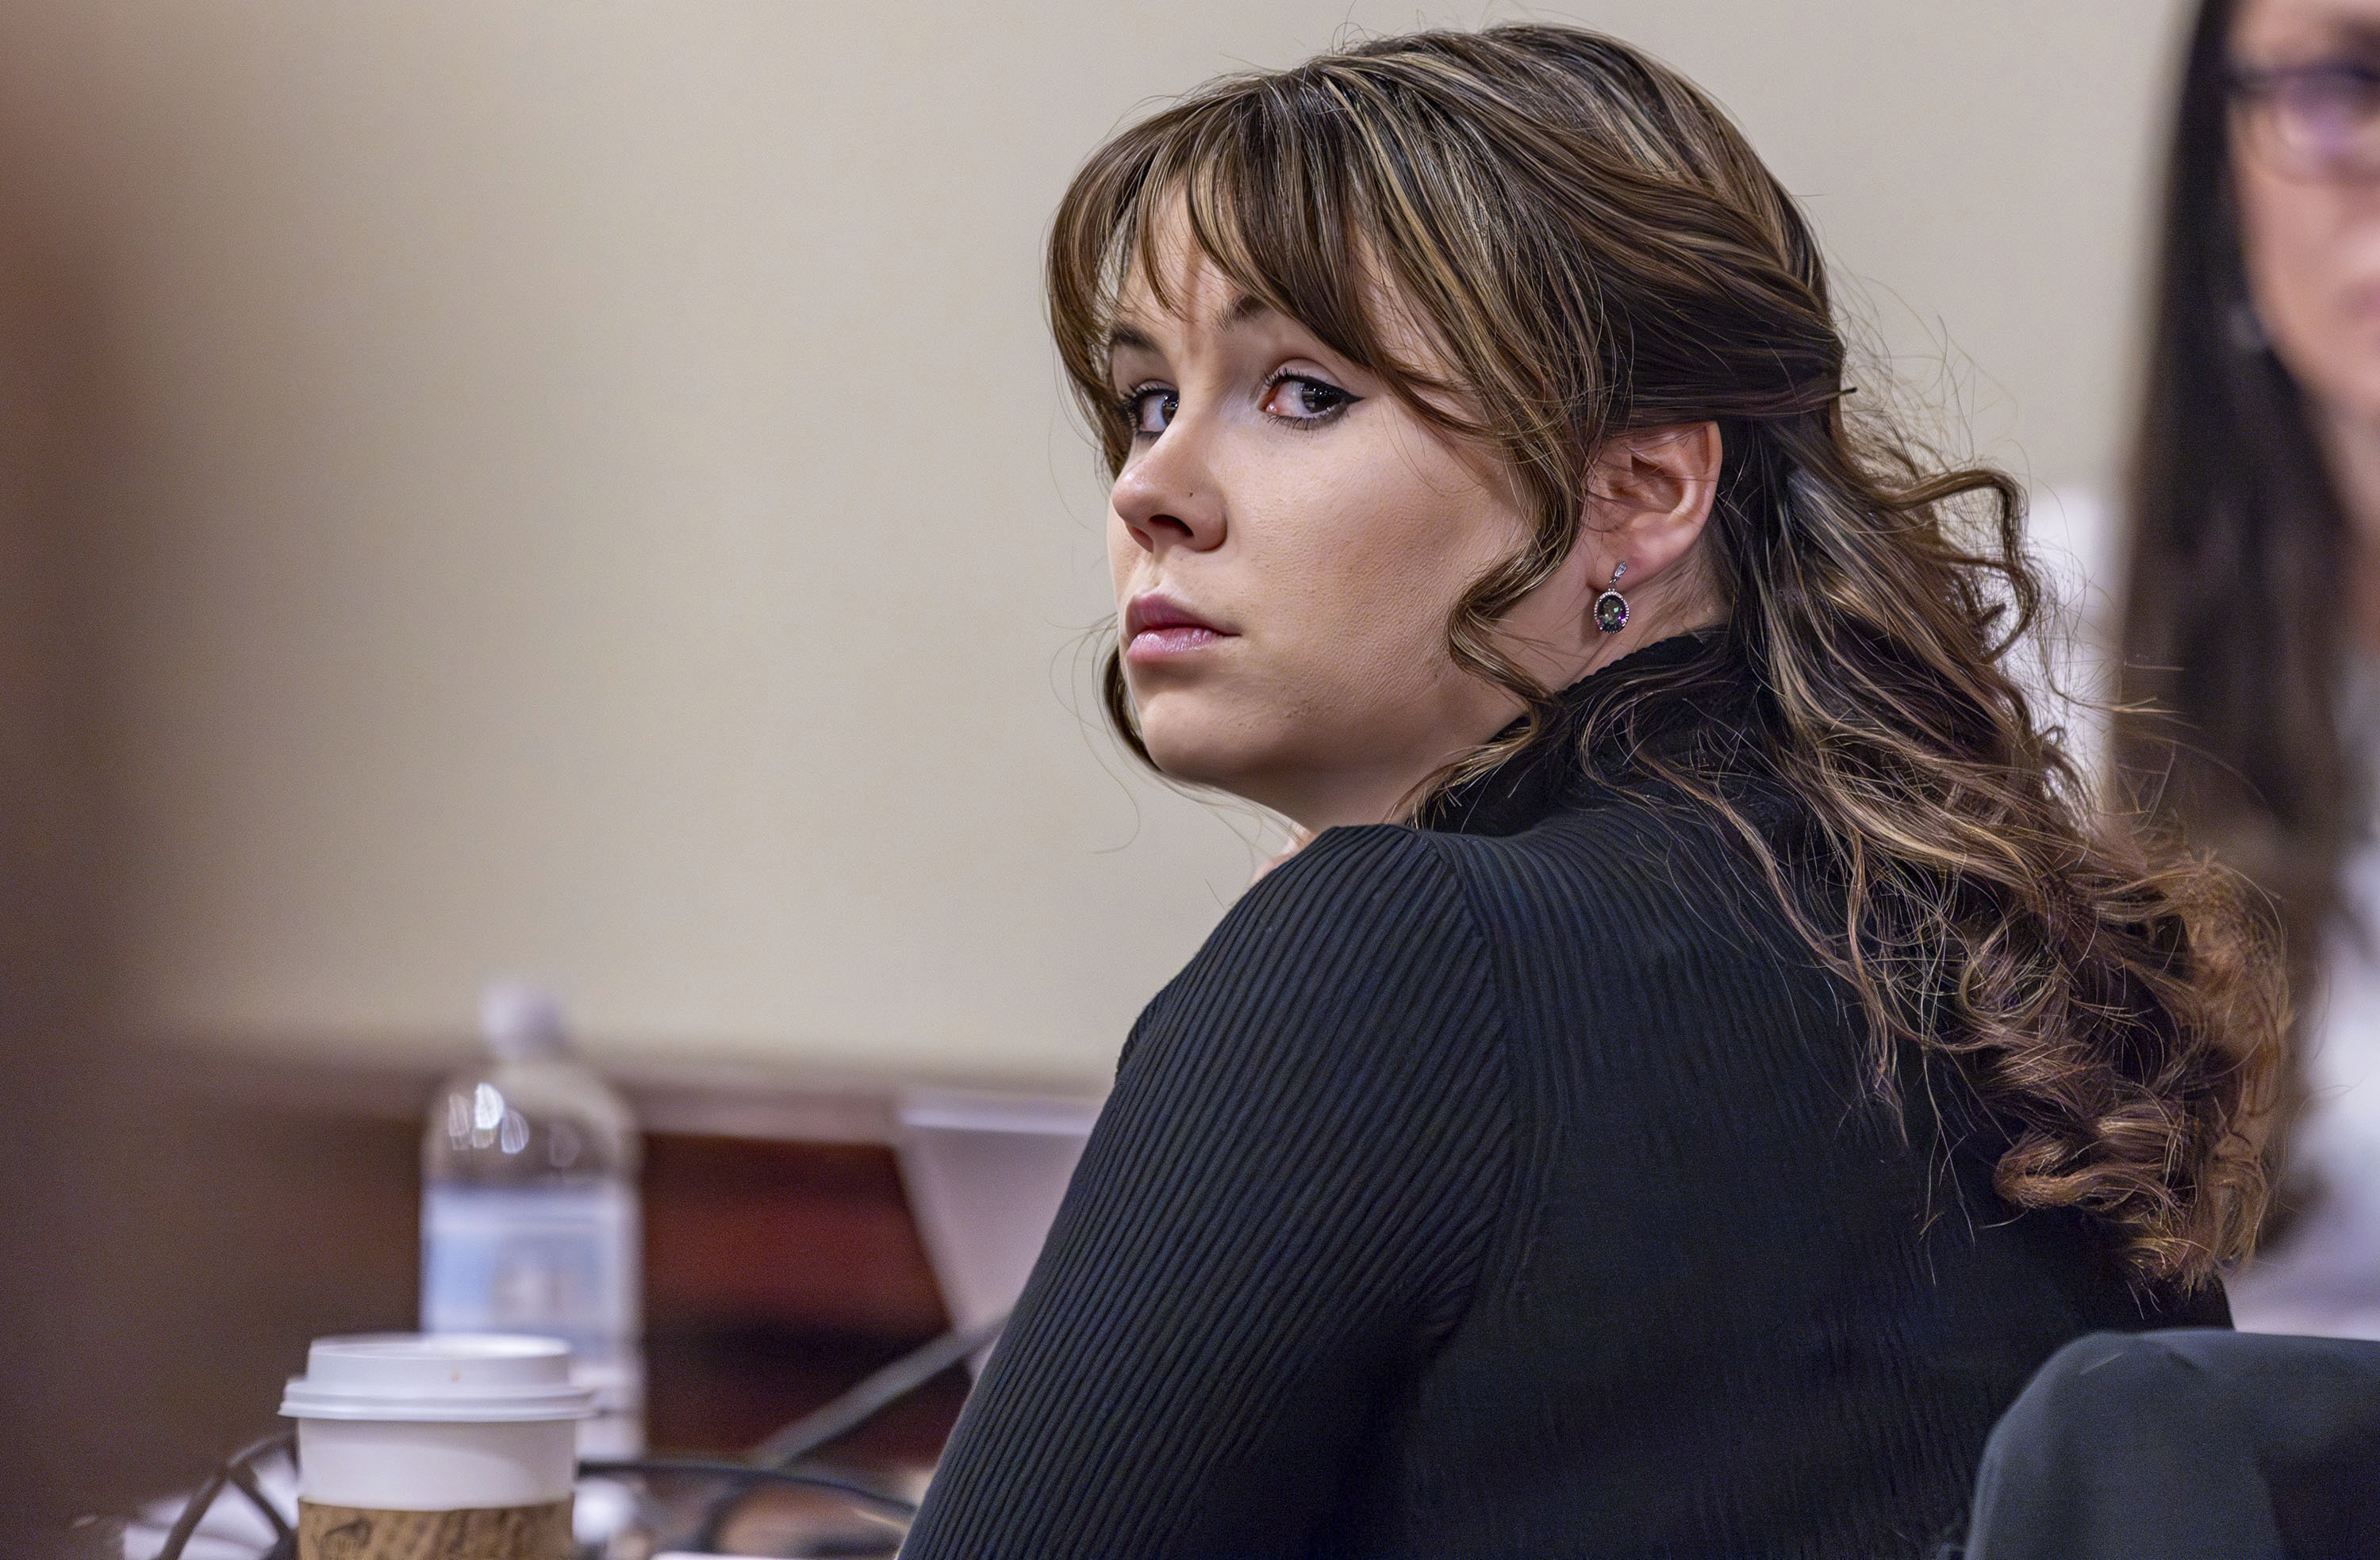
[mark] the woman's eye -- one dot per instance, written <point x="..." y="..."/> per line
<point x="1151" y="411"/>
<point x="1303" y="399"/>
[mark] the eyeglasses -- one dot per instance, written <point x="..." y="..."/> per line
<point x="2318" y="121"/>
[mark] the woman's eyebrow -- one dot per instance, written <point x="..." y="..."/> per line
<point x="1124" y="336"/>
<point x="2352" y="35"/>
<point x="1131" y="338"/>
<point x="1245" y="308"/>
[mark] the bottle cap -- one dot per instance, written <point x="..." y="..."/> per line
<point x="522" y="1022"/>
<point x="438" y="1378"/>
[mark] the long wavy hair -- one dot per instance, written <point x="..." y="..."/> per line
<point x="1590" y="245"/>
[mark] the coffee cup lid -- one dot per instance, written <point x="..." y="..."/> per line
<point x="441" y="1378"/>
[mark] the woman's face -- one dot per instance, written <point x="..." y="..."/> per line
<point x="2310" y="195"/>
<point x="1288" y="541"/>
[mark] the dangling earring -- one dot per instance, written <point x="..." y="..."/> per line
<point x="1611" y="608"/>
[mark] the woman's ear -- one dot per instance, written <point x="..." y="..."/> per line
<point x="1650" y="493"/>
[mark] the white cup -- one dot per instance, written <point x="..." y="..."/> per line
<point x="441" y="1421"/>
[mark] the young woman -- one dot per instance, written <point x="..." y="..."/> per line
<point x="1702" y="1060"/>
<point x="2253" y="629"/>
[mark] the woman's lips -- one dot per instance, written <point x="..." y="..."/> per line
<point x="1156" y="627"/>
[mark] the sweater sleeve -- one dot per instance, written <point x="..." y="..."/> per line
<point x="1280" y="1214"/>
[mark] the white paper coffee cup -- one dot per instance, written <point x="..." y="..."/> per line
<point x="447" y="1421"/>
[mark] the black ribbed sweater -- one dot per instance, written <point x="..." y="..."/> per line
<point x="1510" y="1189"/>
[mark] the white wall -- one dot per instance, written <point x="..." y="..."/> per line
<point x="596" y="500"/>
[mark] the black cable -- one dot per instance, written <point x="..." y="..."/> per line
<point x="232" y="1471"/>
<point x="843" y="1413"/>
<point x="239" y="1474"/>
<point x="873" y="1393"/>
<point x="178" y="1537"/>
<point x="744" y="1474"/>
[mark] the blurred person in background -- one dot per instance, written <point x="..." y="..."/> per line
<point x="2251" y="637"/>
<point x="1704" y="1057"/>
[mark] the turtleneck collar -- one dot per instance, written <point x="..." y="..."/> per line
<point x="1540" y="778"/>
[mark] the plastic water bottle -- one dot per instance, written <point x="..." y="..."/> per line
<point x="528" y="1210"/>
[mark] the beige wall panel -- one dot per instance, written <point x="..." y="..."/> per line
<point x="601" y="506"/>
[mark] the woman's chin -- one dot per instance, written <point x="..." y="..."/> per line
<point x="1201" y="750"/>
<point x="1194" y="763"/>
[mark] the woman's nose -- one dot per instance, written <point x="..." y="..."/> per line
<point x="1168" y="497"/>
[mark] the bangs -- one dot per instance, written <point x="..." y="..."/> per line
<point x="1530" y="236"/>
<point x="1274" y="182"/>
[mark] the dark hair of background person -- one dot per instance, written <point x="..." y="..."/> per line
<point x="2237" y="616"/>
<point x="2110" y="1005"/>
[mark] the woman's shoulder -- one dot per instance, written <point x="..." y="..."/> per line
<point x="1351" y="897"/>
<point x="1356" y="865"/>
<point x="1391" y="930"/>
<point x="1630" y="933"/>
<point x="1399" y="891"/>
<point x="1610" y="855"/>
<point x="1366" y="937"/>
